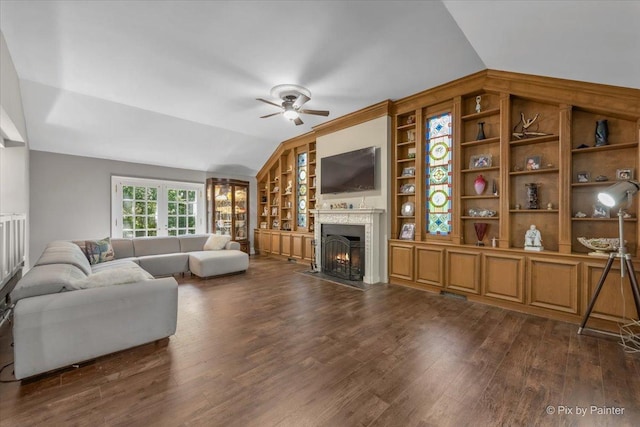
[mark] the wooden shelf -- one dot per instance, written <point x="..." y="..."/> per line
<point x="593" y="184"/>
<point x="481" y="114"/>
<point x="480" y="170"/>
<point x="605" y="219"/>
<point x="535" y="140"/>
<point x="493" y="140"/>
<point x="605" y="148"/>
<point x="406" y="160"/>
<point x="533" y="211"/>
<point x="405" y="143"/>
<point x="534" y="172"/>
<point x="406" y="127"/>
<point x="489" y="196"/>
<point x="483" y="218"/>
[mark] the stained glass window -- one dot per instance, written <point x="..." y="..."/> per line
<point x="302" y="190"/>
<point x="438" y="174"/>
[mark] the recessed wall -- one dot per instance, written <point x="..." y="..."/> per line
<point x="372" y="133"/>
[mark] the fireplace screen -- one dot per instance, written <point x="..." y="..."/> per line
<point x="343" y="256"/>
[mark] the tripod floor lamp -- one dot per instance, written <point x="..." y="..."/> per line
<point x="613" y="196"/>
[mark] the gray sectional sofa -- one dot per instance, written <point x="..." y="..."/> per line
<point x="163" y="256"/>
<point x="68" y="310"/>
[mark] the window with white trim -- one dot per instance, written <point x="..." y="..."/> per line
<point x="149" y="207"/>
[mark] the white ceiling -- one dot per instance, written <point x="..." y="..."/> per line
<point x="174" y="83"/>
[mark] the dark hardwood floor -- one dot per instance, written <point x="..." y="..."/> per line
<point x="274" y="347"/>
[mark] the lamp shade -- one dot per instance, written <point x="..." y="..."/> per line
<point x="291" y="114"/>
<point x="618" y="192"/>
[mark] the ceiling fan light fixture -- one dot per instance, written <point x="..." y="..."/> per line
<point x="293" y="98"/>
<point x="291" y="114"/>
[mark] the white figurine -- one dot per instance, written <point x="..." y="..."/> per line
<point x="289" y="187"/>
<point x="478" y="107"/>
<point x="533" y="239"/>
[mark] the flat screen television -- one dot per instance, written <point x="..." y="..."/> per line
<point x="348" y="172"/>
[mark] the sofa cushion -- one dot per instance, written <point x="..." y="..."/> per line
<point x="122" y="248"/>
<point x="145" y="246"/>
<point x="190" y="243"/>
<point x="118" y="263"/>
<point x="166" y="264"/>
<point x="47" y="279"/>
<point x="233" y="245"/>
<point x="120" y="275"/>
<point x="63" y="255"/>
<point x="214" y="263"/>
<point x="216" y="242"/>
<point x="60" y="244"/>
<point x="97" y="251"/>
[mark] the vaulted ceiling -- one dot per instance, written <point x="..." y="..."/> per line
<point x="174" y="83"/>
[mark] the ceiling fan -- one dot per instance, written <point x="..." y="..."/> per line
<point x="293" y="98"/>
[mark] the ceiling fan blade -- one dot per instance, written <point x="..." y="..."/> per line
<point x="269" y="102"/>
<point x="300" y="101"/>
<point x="315" y="112"/>
<point x="269" y="115"/>
<point x="298" y="122"/>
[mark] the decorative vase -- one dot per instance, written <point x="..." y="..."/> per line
<point x="602" y="133"/>
<point x="481" y="229"/>
<point x="480" y="135"/>
<point x="479" y="184"/>
<point x="532" y="196"/>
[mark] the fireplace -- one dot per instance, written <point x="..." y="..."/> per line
<point x="343" y="249"/>
<point x="370" y="234"/>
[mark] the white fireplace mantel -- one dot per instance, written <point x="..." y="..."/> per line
<point x="370" y="218"/>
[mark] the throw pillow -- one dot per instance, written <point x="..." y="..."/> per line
<point x="97" y="251"/>
<point x="215" y="242"/>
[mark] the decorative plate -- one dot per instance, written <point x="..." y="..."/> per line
<point x="302" y="204"/>
<point x="601" y="245"/>
<point x="407" y="209"/>
<point x="408" y="188"/>
<point x="302" y="190"/>
<point x="303" y="175"/>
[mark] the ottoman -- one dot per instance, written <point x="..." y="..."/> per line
<point x="215" y="263"/>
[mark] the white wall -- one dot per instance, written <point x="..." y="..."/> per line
<point x="14" y="158"/>
<point x="14" y="180"/>
<point x="374" y="133"/>
<point x="71" y="195"/>
<point x="10" y="96"/>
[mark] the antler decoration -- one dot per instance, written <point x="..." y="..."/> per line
<point x="524" y="124"/>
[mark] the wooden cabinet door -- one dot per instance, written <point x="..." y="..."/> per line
<point x="401" y="260"/>
<point x="265" y="242"/>
<point x="275" y="243"/>
<point x="285" y="244"/>
<point x="296" y="246"/>
<point x="463" y="271"/>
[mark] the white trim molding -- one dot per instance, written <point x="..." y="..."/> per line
<point x="370" y="218"/>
